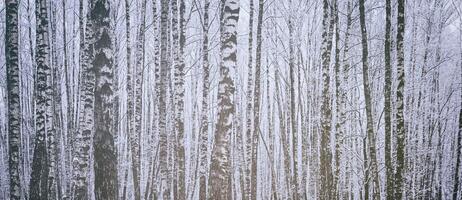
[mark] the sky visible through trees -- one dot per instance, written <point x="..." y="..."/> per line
<point x="230" y="99"/>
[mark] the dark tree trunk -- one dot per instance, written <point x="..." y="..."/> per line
<point x="372" y="170"/>
<point x="256" y="104"/>
<point x="105" y="163"/>
<point x="400" y="129"/>
<point x="14" y="99"/>
<point x="387" y="103"/>
<point x="326" y="109"/>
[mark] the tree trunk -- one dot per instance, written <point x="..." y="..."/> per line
<point x="137" y="104"/>
<point x="326" y="109"/>
<point x="178" y="51"/>
<point x="293" y="120"/>
<point x="164" y="70"/>
<point x="55" y="107"/>
<point x="180" y="106"/>
<point x="56" y="132"/>
<point x="68" y="77"/>
<point x="116" y="122"/>
<point x="256" y="104"/>
<point x="69" y="122"/>
<point x="283" y="138"/>
<point x="270" y="118"/>
<point x="220" y="174"/>
<point x="400" y="129"/>
<point x="151" y="186"/>
<point x="346" y="66"/>
<point x="203" y="138"/>
<point x="371" y="172"/>
<point x="14" y="99"/>
<point x="81" y="160"/>
<point x="105" y="164"/>
<point x="339" y="133"/>
<point x="43" y="112"/>
<point x="387" y="104"/>
<point x="132" y="87"/>
<point x="249" y="118"/>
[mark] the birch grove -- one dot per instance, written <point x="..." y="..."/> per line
<point x="230" y="99"/>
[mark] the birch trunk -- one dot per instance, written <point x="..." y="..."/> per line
<point x="326" y="109"/>
<point x="68" y="76"/>
<point x="163" y="135"/>
<point x="387" y="103"/>
<point x="54" y="109"/>
<point x="178" y="81"/>
<point x="137" y="104"/>
<point x="249" y="118"/>
<point x="400" y="129"/>
<point x="180" y="105"/>
<point x="152" y="184"/>
<point x="256" y="104"/>
<point x="343" y="104"/>
<point x="293" y="120"/>
<point x="14" y="99"/>
<point x="81" y="160"/>
<point x="133" y="135"/>
<point x="220" y="173"/>
<point x="203" y="138"/>
<point x="105" y="163"/>
<point x="43" y="109"/>
<point x="372" y="170"/>
<point x="339" y="133"/>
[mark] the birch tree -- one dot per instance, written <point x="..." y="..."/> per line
<point x="326" y="112"/>
<point x="293" y="120"/>
<point x="14" y="99"/>
<point x="126" y="93"/>
<point x="163" y="135"/>
<point x="203" y="138"/>
<point x="180" y="104"/>
<point x="105" y="164"/>
<point x="371" y="160"/>
<point x="339" y="104"/>
<point x="136" y="122"/>
<point x="178" y="46"/>
<point x="256" y="102"/>
<point x="387" y="103"/>
<point x="400" y="129"/>
<point x="43" y="112"/>
<point x="220" y="174"/>
<point x="81" y="157"/>
<point x="132" y="122"/>
<point x="249" y="118"/>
